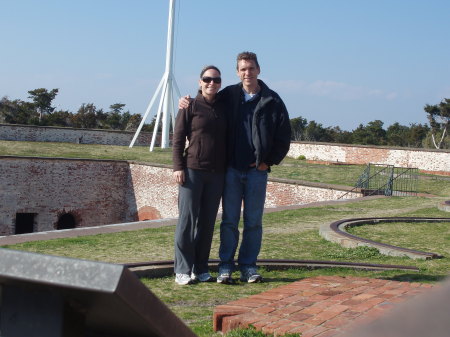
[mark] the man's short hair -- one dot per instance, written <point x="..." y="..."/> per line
<point x="247" y="56"/>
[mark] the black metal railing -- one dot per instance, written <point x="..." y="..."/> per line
<point x="388" y="180"/>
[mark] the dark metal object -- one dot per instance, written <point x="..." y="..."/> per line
<point x="82" y="298"/>
<point x="387" y="180"/>
<point x="164" y="268"/>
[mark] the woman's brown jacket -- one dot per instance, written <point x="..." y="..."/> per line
<point x="203" y="126"/>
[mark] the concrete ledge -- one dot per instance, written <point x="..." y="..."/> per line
<point x="84" y="231"/>
<point x="335" y="232"/>
<point x="444" y="206"/>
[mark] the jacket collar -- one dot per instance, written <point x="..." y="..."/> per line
<point x="265" y="92"/>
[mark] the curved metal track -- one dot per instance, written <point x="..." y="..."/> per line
<point x="165" y="267"/>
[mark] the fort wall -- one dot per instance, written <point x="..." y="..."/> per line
<point x="100" y="192"/>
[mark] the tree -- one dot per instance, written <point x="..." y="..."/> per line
<point x="133" y="122"/>
<point x="439" y="118"/>
<point x="86" y="117"/>
<point x="417" y="134"/>
<point x="116" y="118"/>
<point x="397" y="135"/>
<point x="42" y="100"/>
<point x="113" y="117"/>
<point x="315" y="132"/>
<point x="17" y="112"/>
<point x="371" y="134"/>
<point x="340" y="136"/>
<point x="298" y="126"/>
<point x="58" y="118"/>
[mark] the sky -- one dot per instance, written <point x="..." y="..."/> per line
<point x="339" y="63"/>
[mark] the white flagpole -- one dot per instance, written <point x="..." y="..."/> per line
<point x="166" y="87"/>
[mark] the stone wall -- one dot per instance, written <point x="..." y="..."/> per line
<point x="71" y="135"/>
<point x="94" y="192"/>
<point x="426" y="160"/>
<point x="155" y="192"/>
<point x="100" y="192"/>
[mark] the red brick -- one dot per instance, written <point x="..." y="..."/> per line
<point x="264" y="322"/>
<point x="329" y="333"/>
<point x="301" y="328"/>
<point x="230" y="323"/>
<point x="299" y="316"/>
<point x="337" y="322"/>
<point x="270" y="328"/>
<point x="285" y="328"/>
<point x="314" y="332"/>
<point x="328" y="316"/>
<point x="313" y="310"/>
<point x="287" y="310"/>
<point x="264" y="310"/>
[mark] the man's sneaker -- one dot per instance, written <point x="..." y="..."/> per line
<point x="204" y="277"/>
<point x="183" y="279"/>
<point x="251" y="276"/>
<point x="224" y="277"/>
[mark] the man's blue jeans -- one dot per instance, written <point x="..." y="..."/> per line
<point x="247" y="189"/>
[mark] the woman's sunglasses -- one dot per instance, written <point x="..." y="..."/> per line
<point x="208" y="79"/>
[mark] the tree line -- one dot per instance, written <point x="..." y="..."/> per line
<point x="39" y="111"/>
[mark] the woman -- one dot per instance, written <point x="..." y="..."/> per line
<point x="199" y="171"/>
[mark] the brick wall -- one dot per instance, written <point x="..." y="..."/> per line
<point x="71" y="135"/>
<point x="426" y="160"/>
<point x="284" y="194"/>
<point x="155" y="191"/>
<point x="99" y="192"/>
<point x="94" y="192"/>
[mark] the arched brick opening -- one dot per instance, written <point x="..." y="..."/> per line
<point x="148" y="213"/>
<point x="66" y="221"/>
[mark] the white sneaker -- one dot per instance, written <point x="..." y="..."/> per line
<point x="225" y="277"/>
<point x="251" y="276"/>
<point x="183" y="279"/>
<point x="203" y="277"/>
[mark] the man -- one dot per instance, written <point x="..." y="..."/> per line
<point x="259" y="135"/>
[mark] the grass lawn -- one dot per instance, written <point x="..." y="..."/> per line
<point x="86" y="151"/>
<point x="289" y="169"/>
<point x="290" y="234"/>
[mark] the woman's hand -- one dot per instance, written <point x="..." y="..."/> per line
<point x="183" y="102"/>
<point x="179" y="177"/>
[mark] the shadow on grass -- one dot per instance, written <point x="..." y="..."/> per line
<point x="281" y="279"/>
<point x="423" y="278"/>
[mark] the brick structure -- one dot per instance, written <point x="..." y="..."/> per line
<point x="316" y="307"/>
<point x="426" y="160"/>
<point x="55" y="193"/>
<point x="92" y="192"/>
<point x="32" y="133"/>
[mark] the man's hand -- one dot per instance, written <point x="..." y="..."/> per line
<point x="179" y="177"/>
<point x="183" y="102"/>
<point x="263" y="167"/>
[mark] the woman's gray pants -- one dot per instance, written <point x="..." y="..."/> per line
<point x="198" y="203"/>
